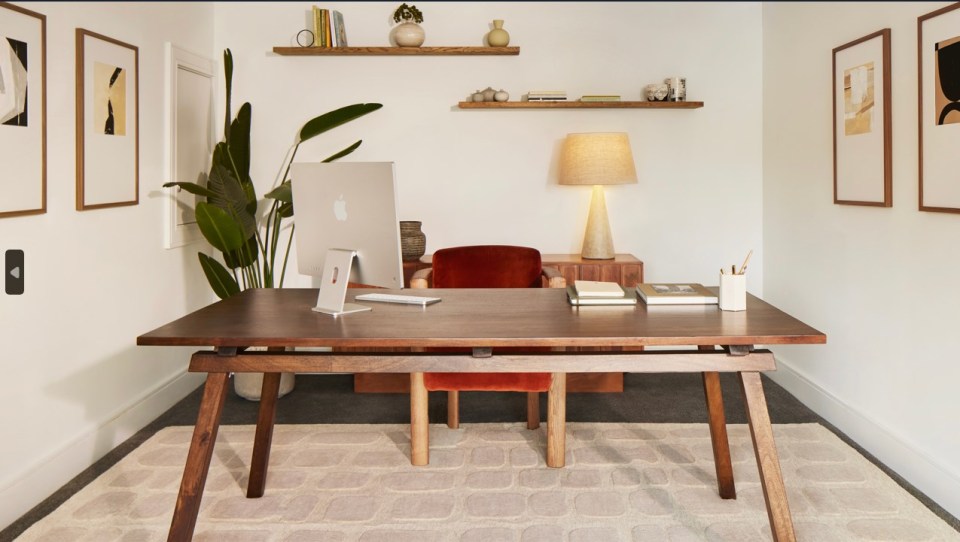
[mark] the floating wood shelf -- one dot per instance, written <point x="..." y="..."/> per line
<point x="580" y="105"/>
<point x="398" y="51"/>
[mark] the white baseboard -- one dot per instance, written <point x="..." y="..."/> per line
<point x="61" y="466"/>
<point x="932" y="478"/>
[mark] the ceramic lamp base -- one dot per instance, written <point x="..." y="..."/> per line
<point x="598" y="241"/>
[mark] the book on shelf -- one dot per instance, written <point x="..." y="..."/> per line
<point x="600" y="98"/>
<point x="593" y="288"/>
<point x="675" y="294"/>
<point x="629" y="298"/>
<point x="328" y="28"/>
<point x="340" y="31"/>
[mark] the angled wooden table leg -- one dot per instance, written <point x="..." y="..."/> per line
<point x="718" y="433"/>
<point x="771" y="479"/>
<point x="264" y="435"/>
<point x="419" y="421"/>
<point x="557" y="420"/>
<point x="198" y="458"/>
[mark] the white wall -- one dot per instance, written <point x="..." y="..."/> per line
<point x="74" y="384"/>
<point x="881" y="283"/>
<point x="482" y="176"/>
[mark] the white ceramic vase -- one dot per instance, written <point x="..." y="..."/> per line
<point x="408" y="35"/>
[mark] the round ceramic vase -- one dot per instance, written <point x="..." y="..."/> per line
<point x="408" y="35"/>
<point x="498" y="37"/>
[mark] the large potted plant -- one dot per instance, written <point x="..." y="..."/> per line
<point x="236" y="223"/>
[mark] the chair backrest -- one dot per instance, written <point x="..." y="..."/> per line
<point x="487" y="266"/>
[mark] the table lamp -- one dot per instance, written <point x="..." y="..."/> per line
<point x="597" y="159"/>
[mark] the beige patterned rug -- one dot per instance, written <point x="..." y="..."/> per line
<point x="489" y="482"/>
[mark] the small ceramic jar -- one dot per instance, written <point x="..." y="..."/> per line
<point x="501" y="96"/>
<point x="477" y="96"/>
<point x="488" y="94"/>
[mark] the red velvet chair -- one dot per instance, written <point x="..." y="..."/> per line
<point x="488" y="266"/>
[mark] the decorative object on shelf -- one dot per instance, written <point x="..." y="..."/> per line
<point x="227" y="215"/>
<point x="546" y="96"/>
<point x="23" y="111"/>
<point x="676" y="89"/>
<point x="501" y="96"/>
<point x="938" y="51"/>
<point x="656" y="92"/>
<point x="862" y="135"/>
<point x="597" y="159"/>
<point x="108" y="140"/>
<point x="477" y="96"/>
<point x="408" y="33"/>
<point x="489" y="94"/>
<point x="498" y="37"/>
<point x="413" y="242"/>
<point x="305" y="38"/>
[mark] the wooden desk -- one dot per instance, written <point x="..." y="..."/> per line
<point x="280" y="318"/>
<point x="624" y="269"/>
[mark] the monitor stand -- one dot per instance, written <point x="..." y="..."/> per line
<point x="333" y="285"/>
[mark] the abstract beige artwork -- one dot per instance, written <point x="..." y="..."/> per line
<point x="110" y="99"/>
<point x="858" y="99"/>
<point x="946" y="73"/>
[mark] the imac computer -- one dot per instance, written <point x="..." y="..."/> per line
<point x="346" y="228"/>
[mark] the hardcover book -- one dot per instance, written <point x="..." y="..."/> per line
<point x="675" y="294"/>
<point x="593" y="288"/>
<point x="629" y="298"/>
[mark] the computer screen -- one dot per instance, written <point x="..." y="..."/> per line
<point x="351" y="206"/>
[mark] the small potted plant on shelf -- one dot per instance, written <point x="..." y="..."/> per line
<point x="408" y="33"/>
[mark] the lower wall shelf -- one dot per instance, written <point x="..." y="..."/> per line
<point x="580" y="105"/>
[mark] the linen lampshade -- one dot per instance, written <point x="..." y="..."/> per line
<point x="597" y="159"/>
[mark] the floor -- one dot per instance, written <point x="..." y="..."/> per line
<point x="659" y="398"/>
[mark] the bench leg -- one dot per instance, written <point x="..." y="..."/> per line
<point x="264" y="435"/>
<point x="774" y="493"/>
<point x="419" y="421"/>
<point x="453" y="409"/>
<point x="198" y="458"/>
<point x="556" y="420"/>
<point x="533" y="410"/>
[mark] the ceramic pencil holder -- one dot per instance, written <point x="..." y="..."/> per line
<point x="733" y="292"/>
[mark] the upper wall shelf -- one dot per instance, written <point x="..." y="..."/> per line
<point x="397" y="51"/>
<point x="580" y="105"/>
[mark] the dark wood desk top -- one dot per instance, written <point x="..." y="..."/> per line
<point x="489" y="317"/>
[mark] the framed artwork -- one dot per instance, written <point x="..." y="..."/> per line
<point x="190" y="138"/>
<point x="23" y="111"/>
<point x="108" y="141"/>
<point x="862" y="135"/>
<point x="938" y="52"/>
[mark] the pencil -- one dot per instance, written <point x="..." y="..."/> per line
<point x="747" y="259"/>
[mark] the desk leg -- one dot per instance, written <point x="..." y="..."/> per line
<point x="774" y="493"/>
<point x="557" y="420"/>
<point x="718" y="435"/>
<point x="419" y="421"/>
<point x="264" y="435"/>
<point x="198" y="458"/>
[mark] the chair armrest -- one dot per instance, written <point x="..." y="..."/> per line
<point x="554" y="278"/>
<point x="421" y="278"/>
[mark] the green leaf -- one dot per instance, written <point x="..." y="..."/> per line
<point x="232" y="198"/>
<point x="228" y="76"/>
<point x="243" y="258"/>
<point x="240" y="142"/>
<point x="285" y="210"/>
<point x="282" y="193"/>
<point x="219" y="228"/>
<point x="220" y="280"/>
<point x="328" y="121"/>
<point x="344" y="152"/>
<point x="192" y="188"/>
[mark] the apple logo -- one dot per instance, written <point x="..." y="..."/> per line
<point x="340" y="209"/>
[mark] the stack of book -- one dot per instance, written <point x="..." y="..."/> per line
<point x="676" y="294"/>
<point x="589" y="292"/>
<point x="547" y="96"/>
<point x="328" y="29"/>
<point x="600" y="98"/>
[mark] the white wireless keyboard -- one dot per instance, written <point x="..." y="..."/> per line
<point x="398" y="298"/>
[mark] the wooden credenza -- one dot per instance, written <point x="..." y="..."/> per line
<point x="624" y="269"/>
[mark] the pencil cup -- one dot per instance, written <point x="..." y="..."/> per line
<point x="733" y="292"/>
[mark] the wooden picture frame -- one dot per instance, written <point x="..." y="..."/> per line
<point x="23" y="111"/>
<point x="191" y="137"/>
<point x="862" y="134"/>
<point x="938" y="102"/>
<point x="108" y="124"/>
